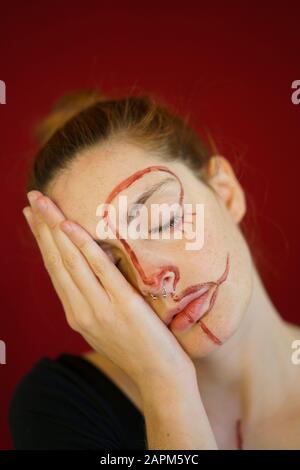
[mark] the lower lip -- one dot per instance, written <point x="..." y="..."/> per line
<point x="192" y="312"/>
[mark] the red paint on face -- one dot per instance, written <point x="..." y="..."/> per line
<point x="155" y="279"/>
<point x="239" y="436"/>
<point x="185" y="317"/>
<point x="223" y="278"/>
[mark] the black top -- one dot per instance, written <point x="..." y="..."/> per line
<point x="68" y="403"/>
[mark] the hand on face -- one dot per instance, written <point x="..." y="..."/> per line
<point x="99" y="302"/>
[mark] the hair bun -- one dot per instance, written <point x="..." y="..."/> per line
<point x="64" y="109"/>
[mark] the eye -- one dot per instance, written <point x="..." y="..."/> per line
<point x="172" y="223"/>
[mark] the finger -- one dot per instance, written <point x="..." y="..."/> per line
<point x="73" y="260"/>
<point x="109" y="275"/>
<point x="27" y="211"/>
<point x="65" y="288"/>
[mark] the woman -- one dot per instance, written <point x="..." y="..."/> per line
<point x="188" y="351"/>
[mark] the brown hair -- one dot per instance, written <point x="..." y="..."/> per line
<point x="84" y="118"/>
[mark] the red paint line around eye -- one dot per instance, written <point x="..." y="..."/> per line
<point x="155" y="279"/>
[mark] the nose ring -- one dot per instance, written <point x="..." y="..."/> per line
<point x="153" y="296"/>
<point x="164" y="294"/>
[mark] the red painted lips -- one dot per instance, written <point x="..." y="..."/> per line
<point x="194" y="302"/>
<point x="194" y="310"/>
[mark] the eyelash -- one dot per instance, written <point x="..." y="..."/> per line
<point x="173" y="222"/>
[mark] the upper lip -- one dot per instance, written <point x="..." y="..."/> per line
<point x="188" y="295"/>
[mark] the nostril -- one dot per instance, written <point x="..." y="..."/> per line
<point x="168" y="282"/>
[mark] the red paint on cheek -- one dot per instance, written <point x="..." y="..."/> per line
<point x="155" y="279"/>
<point x="206" y="330"/>
<point x="211" y="336"/>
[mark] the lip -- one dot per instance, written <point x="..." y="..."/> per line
<point x="188" y="301"/>
<point x="194" y="311"/>
<point x="197" y="291"/>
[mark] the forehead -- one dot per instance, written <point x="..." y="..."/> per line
<point x="94" y="174"/>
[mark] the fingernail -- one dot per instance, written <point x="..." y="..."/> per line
<point x="41" y="202"/>
<point x="27" y="215"/>
<point x="32" y="196"/>
<point x="26" y="212"/>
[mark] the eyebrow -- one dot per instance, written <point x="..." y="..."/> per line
<point x="143" y="197"/>
<point x="148" y="193"/>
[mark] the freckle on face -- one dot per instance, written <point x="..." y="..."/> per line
<point x="155" y="279"/>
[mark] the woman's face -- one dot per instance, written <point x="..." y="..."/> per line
<point x="222" y="263"/>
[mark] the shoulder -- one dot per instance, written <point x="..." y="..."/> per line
<point x="65" y="403"/>
<point x="52" y="382"/>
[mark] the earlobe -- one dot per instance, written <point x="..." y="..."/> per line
<point x="222" y="179"/>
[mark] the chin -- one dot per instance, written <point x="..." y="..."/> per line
<point x="220" y="324"/>
<point x="215" y="328"/>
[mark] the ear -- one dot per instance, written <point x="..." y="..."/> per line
<point x="222" y="179"/>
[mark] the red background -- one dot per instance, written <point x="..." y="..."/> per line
<point x="230" y="64"/>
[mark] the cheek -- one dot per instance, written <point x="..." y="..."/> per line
<point x="225" y="318"/>
<point x="222" y="236"/>
<point x="235" y="294"/>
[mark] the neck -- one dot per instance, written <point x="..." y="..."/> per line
<point x="243" y="378"/>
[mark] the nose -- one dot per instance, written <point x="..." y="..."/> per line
<point x="168" y="281"/>
<point x="151" y="279"/>
<point x="166" y="277"/>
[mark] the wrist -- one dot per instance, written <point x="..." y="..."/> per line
<point x="175" y="416"/>
<point x="161" y="389"/>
